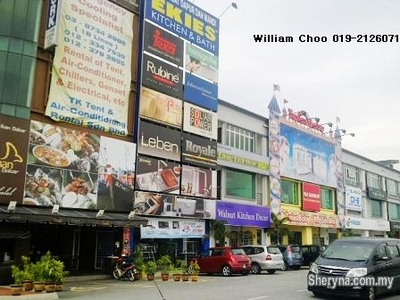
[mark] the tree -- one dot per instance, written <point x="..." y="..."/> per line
<point x="217" y="228"/>
<point x="278" y="228"/>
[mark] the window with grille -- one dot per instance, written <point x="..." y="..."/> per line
<point x="351" y="175"/>
<point x="391" y="187"/>
<point x="240" y="138"/>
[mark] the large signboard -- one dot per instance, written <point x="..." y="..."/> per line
<point x="201" y="92"/>
<point x="366" y="224"/>
<point x="157" y="175"/>
<point x="199" y="151"/>
<point x="305" y="218"/>
<point x="187" y="21"/>
<point x="162" y="76"/>
<point x="353" y="198"/>
<point x="167" y="205"/>
<point x="160" y="108"/>
<point x="91" y="78"/>
<point x="200" y="121"/>
<point x="75" y="169"/>
<point x="14" y="136"/>
<point x="311" y="197"/>
<point x="305" y="156"/>
<point x="163" y="44"/>
<point x="158" y="228"/>
<point x="201" y="63"/>
<point x="198" y="182"/>
<point x="159" y="141"/>
<point x="243" y="215"/>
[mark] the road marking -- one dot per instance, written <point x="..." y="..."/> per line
<point x="84" y="289"/>
<point x="303" y="290"/>
<point x="261" y="297"/>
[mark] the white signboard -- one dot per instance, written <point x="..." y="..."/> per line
<point x="366" y="224"/>
<point x="353" y="198"/>
<point x="200" y="121"/>
<point x="158" y="228"/>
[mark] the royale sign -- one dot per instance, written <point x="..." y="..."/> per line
<point x="199" y="151"/>
<point x="162" y="77"/>
<point x="159" y="141"/>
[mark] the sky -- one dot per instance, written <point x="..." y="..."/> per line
<point x="358" y="82"/>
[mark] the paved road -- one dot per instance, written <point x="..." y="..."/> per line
<point x="288" y="285"/>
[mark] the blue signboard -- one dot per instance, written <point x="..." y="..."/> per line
<point x="187" y="21"/>
<point x="243" y="215"/>
<point x="200" y="92"/>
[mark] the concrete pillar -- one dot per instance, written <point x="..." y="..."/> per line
<point x="306" y="236"/>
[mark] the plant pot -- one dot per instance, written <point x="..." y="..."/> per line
<point x="195" y="278"/>
<point x="164" y="277"/>
<point x="38" y="286"/>
<point x="150" y="277"/>
<point x="185" y="277"/>
<point x="27" y="285"/>
<point x="138" y="276"/>
<point x="16" y="289"/>
<point x="177" y="277"/>
<point x="59" y="286"/>
<point x="50" y="287"/>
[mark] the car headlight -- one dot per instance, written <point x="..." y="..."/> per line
<point x="314" y="268"/>
<point x="357" y="272"/>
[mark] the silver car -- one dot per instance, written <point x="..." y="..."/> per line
<point x="267" y="258"/>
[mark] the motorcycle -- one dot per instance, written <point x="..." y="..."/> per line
<point x="124" y="269"/>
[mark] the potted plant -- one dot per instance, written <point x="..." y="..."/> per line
<point x="53" y="272"/>
<point x="184" y="271"/>
<point x="38" y="280"/>
<point x="27" y="270"/>
<point x="165" y="262"/>
<point x="17" y="274"/>
<point x="139" y="262"/>
<point x="150" y="269"/>
<point x="176" y="270"/>
<point x="194" y="270"/>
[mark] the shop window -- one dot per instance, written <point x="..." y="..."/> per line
<point x="247" y="238"/>
<point x="351" y="175"/>
<point x="391" y="187"/>
<point x="327" y="199"/>
<point x="376" y="208"/>
<point x="394" y="211"/>
<point x="290" y="192"/>
<point x="240" y="184"/>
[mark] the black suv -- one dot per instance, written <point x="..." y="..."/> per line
<point x="310" y="253"/>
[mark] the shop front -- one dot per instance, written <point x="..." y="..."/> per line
<point x="244" y="224"/>
<point x="367" y="227"/>
<point x="310" y="228"/>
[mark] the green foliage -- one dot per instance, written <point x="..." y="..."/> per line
<point x="218" y="230"/>
<point x="184" y="267"/>
<point x="278" y="228"/>
<point x="17" y="274"/>
<point x="166" y="263"/>
<point x="151" y="267"/>
<point x="49" y="269"/>
<point x="194" y="267"/>
<point x="139" y="261"/>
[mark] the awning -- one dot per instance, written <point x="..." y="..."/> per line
<point x="37" y="214"/>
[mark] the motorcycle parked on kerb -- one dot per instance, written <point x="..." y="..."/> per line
<point x="124" y="269"/>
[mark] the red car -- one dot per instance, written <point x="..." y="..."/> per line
<point x="225" y="260"/>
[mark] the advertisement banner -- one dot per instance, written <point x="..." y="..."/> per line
<point x="201" y="63"/>
<point x="353" y="198"/>
<point x="76" y="169"/>
<point x="200" y="121"/>
<point x="163" y="44"/>
<point x="14" y="136"/>
<point x="305" y="218"/>
<point x="91" y="78"/>
<point x="186" y="20"/>
<point x="167" y="205"/>
<point x="162" y="77"/>
<point x="311" y="197"/>
<point x="157" y="175"/>
<point x="160" y="108"/>
<point x="366" y="224"/>
<point x="199" y="151"/>
<point x="201" y="92"/>
<point x="159" y="141"/>
<point x="243" y="215"/>
<point x="158" y="228"/>
<point x="198" y="182"/>
<point x="305" y="157"/>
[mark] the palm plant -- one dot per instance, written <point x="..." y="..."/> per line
<point x="278" y="228"/>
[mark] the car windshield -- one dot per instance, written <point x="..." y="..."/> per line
<point x="238" y="251"/>
<point x="273" y="250"/>
<point x="349" y="251"/>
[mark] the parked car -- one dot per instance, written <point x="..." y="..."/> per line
<point x="310" y="253"/>
<point x="292" y="256"/>
<point x="354" y="259"/>
<point x="225" y="260"/>
<point x="267" y="258"/>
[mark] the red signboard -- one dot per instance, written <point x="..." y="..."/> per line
<point x="311" y="197"/>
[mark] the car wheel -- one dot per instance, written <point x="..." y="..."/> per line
<point x="226" y="270"/>
<point x="255" y="268"/>
<point x="296" y="268"/>
<point x="271" y="271"/>
<point x="370" y="293"/>
<point x="285" y="267"/>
